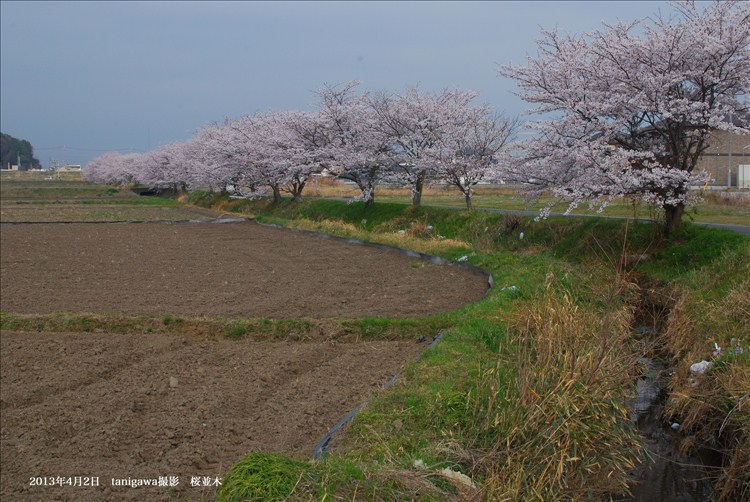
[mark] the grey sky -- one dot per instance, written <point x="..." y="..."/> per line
<point x="126" y="76"/>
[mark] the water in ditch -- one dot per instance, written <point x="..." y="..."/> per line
<point x="664" y="475"/>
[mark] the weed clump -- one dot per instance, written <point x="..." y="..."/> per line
<point x="560" y="428"/>
<point x="262" y="476"/>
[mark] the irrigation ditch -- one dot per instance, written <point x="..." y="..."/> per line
<point x="666" y="473"/>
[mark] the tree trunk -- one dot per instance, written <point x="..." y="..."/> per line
<point x="368" y="192"/>
<point x="297" y="191"/>
<point x="416" y="193"/>
<point x="469" y="203"/>
<point x="276" y="193"/>
<point x="673" y="217"/>
<point x="468" y="193"/>
<point x="369" y="197"/>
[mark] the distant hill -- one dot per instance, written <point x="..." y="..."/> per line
<point x="11" y="147"/>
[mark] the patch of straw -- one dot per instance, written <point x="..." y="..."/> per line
<point x="562" y="430"/>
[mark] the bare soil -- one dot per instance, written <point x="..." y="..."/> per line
<point x="66" y="212"/>
<point x="143" y="406"/>
<point x="111" y="405"/>
<point x="230" y="269"/>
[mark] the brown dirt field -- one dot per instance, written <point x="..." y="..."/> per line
<point x="105" y="405"/>
<point x="101" y="404"/>
<point x="98" y="213"/>
<point x="230" y="269"/>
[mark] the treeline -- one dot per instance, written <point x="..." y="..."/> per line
<point x="12" y="148"/>
<point x="410" y="139"/>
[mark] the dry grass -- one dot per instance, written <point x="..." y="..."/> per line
<point x="724" y="198"/>
<point x="333" y="188"/>
<point x="714" y="409"/>
<point x="567" y="435"/>
<point x="417" y="237"/>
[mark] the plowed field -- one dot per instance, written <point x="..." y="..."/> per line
<point x="231" y="269"/>
<point x="142" y="406"/>
<point x="138" y="407"/>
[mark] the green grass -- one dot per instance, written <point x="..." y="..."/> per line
<point x="705" y="212"/>
<point x="145" y="201"/>
<point x="42" y="190"/>
<point x="693" y="248"/>
<point x="262" y="476"/>
<point x="34" y="199"/>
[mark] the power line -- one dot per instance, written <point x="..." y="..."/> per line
<point x="84" y="149"/>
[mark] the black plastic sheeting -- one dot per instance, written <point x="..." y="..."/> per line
<point x="322" y="447"/>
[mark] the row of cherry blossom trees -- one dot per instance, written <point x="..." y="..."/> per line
<point x="369" y="138"/>
<point x="627" y="111"/>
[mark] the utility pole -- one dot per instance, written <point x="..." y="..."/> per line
<point x="729" y="157"/>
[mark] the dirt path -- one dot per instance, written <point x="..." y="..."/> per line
<point x="144" y="406"/>
<point x="232" y="269"/>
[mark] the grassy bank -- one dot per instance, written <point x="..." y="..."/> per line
<point x="525" y="398"/>
<point x="718" y="206"/>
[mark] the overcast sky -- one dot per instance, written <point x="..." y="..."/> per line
<point x="129" y="76"/>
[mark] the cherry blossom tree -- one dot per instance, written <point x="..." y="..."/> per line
<point x="364" y="139"/>
<point x="218" y="164"/>
<point x="415" y="122"/>
<point x="470" y="150"/>
<point x="632" y="106"/>
<point x="101" y="169"/>
<point x="114" y="167"/>
<point x="167" y="167"/>
<point x="237" y="154"/>
<point x="272" y="150"/>
<point x="296" y="146"/>
<point x="357" y="150"/>
<point x="255" y="136"/>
